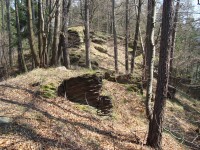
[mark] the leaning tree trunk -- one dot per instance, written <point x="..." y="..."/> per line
<point x="174" y="35"/>
<point x="127" y="37"/>
<point x="21" y="61"/>
<point x="154" y="138"/>
<point x="31" y="34"/>
<point x="150" y="53"/>
<point x="87" y="35"/>
<point x="136" y="36"/>
<point x="65" y="20"/>
<point x="115" y="37"/>
<point x="9" y="32"/>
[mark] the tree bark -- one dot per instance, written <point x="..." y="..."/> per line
<point x="87" y="35"/>
<point x="40" y="41"/>
<point x="21" y="61"/>
<point x="44" y="32"/>
<point x="154" y="138"/>
<point x="174" y="35"/>
<point x="2" y="37"/>
<point x="65" y="20"/>
<point x="115" y="37"/>
<point x="31" y="34"/>
<point x="33" y="9"/>
<point x="136" y="36"/>
<point x="150" y="53"/>
<point x="56" y="34"/>
<point x="49" y="38"/>
<point x="127" y="37"/>
<point x="9" y="33"/>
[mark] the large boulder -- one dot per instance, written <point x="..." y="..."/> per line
<point x="79" y="60"/>
<point x="75" y="36"/>
<point x="171" y="92"/>
<point x="86" y="90"/>
<point x="135" y="82"/>
<point x="101" y="49"/>
<point x="98" y="40"/>
<point x="5" y="120"/>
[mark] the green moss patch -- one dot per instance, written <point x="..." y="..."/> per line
<point x="98" y="41"/>
<point x="101" y="49"/>
<point x="48" y="91"/>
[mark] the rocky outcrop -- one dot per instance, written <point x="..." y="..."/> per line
<point x="98" y="41"/>
<point x="125" y="79"/>
<point x="86" y="90"/>
<point x="101" y="49"/>
<point x="75" y="36"/>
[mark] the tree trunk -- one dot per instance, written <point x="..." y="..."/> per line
<point x="65" y="20"/>
<point x="136" y="36"/>
<point x="127" y="37"/>
<point x="33" y="9"/>
<point x="174" y="35"/>
<point x="31" y="34"/>
<point x="5" y="64"/>
<point x="150" y="53"/>
<point x="49" y="40"/>
<point x="40" y="41"/>
<point x="108" y="18"/>
<point x="21" y="61"/>
<point x="154" y="138"/>
<point x="143" y="58"/>
<point x="44" y="31"/>
<point x="197" y="71"/>
<point x="56" y="34"/>
<point x="115" y="37"/>
<point x="2" y="15"/>
<point x="87" y="35"/>
<point x="9" y="33"/>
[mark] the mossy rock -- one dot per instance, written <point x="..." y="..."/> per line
<point x="74" y="58"/>
<point x="120" y="37"/>
<point x="101" y="49"/>
<point x="94" y="64"/>
<point x="48" y="91"/>
<point x="76" y="36"/>
<point x="132" y="88"/>
<point x="5" y="120"/>
<point x="98" y="41"/>
<point x="103" y="37"/>
<point x="130" y="45"/>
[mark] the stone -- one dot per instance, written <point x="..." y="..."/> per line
<point x="98" y="41"/>
<point x="171" y="92"/>
<point x="101" y="49"/>
<point x="85" y="90"/>
<point x="5" y="120"/>
<point x="125" y="79"/>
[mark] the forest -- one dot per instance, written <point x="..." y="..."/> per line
<point x="100" y="74"/>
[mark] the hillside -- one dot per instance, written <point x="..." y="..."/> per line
<point x="36" y="122"/>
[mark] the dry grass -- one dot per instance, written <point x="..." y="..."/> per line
<point x="60" y="124"/>
<point x="183" y="120"/>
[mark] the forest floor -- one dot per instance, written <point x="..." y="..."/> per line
<point x="56" y="123"/>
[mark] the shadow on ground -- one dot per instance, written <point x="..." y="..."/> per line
<point x="175" y="127"/>
<point x="30" y="133"/>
